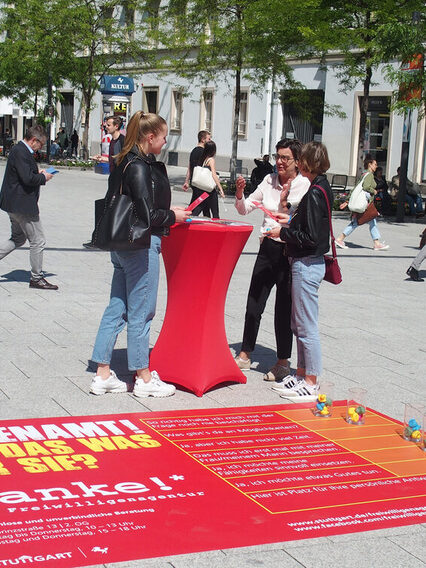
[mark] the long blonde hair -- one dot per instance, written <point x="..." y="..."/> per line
<point x="140" y="125"/>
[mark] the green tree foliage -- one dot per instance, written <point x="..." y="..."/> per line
<point x="405" y="42"/>
<point x="71" y="40"/>
<point x="357" y="33"/>
<point x="100" y="35"/>
<point x="215" y="40"/>
<point x="31" y="47"/>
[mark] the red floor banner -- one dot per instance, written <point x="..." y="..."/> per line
<point x="101" y="489"/>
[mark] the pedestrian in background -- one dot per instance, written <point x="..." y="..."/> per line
<point x="413" y="269"/>
<point x="194" y="159"/>
<point x="369" y="187"/>
<point x="113" y="125"/>
<point x="262" y="169"/>
<point x="210" y="206"/>
<point x="74" y="144"/>
<point x="19" y="196"/>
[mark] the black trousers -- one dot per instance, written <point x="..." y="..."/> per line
<point x="270" y="269"/>
<point x="211" y="204"/>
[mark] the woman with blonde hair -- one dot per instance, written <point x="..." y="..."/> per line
<point x="136" y="272"/>
<point x="306" y="236"/>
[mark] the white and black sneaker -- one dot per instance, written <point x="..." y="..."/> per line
<point x="302" y="391"/>
<point x="288" y="382"/>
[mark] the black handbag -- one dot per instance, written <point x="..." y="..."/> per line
<point x="117" y="224"/>
<point x="332" y="268"/>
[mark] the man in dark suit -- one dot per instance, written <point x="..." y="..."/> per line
<point x="19" y="198"/>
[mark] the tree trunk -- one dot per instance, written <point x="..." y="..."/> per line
<point x="234" y="154"/>
<point x="363" y="119"/>
<point x="364" y="101"/>
<point x="85" y="137"/>
<point x="35" y="108"/>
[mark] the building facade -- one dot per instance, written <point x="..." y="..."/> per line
<point x="264" y="119"/>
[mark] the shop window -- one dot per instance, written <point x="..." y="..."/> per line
<point x="150" y="99"/>
<point x="243" y="118"/>
<point x="206" y="119"/>
<point x="303" y="111"/>
<point x="176" y="110"/>
<point x="376" y="138"/>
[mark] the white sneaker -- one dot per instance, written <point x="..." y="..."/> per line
<point x="156" y="387"/>
<point x="341" y="244"/>
<point x="303" y="391"/>
<point x="288" y="382"/>
<point x="112" y="384"/>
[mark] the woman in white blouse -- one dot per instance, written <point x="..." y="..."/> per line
<point x="271" y="267"/>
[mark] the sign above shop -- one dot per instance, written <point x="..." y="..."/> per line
<point x="111" y="85"/>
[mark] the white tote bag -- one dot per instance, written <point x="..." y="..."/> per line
<point x="202" y="178"/>
<point x="358" y="201"/>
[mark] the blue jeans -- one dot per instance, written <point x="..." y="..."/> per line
<point x="415" y="203"/>
<point x="133" y="300"/>
<point x="307" y="274"/>
<point x="374" y="231"/>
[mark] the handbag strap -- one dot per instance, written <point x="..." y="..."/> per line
<point x="124" y="169"/>
<point x="333" y="246"/>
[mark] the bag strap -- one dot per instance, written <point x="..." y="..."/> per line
<point x="206" y="162"/>
<point x="333" y="246"/>
<point x="124" y="169"/>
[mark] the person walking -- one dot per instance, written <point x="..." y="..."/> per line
<point x="194" y="159"/>
<point x="307" y="238"/>
<point x="271" y="267"/>
<point x="74" y="144"/>
<point x="134" y="283"/>
<point x="369" y="186"/>
<point x="19" y="197"/>
<point x="413" y="269"/>
<point x="210" y="206"/>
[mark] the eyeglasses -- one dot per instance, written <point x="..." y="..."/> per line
<point x="279" y="158"/>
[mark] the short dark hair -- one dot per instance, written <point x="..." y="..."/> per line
<point x="202" y="134"/>
<point x="116" y="120"/>
<point x="36" y="131"/>
<point x="294" y="145"/>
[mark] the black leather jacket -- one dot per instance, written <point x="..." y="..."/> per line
<point x="309" y="230"/>
<point x="146" y="182"/>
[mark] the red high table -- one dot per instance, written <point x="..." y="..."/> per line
<point x="192" y="349"/>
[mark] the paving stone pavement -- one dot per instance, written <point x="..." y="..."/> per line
<point x="372" y="333"/>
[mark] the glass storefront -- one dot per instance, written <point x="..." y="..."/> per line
<point x="376" y="139"/>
